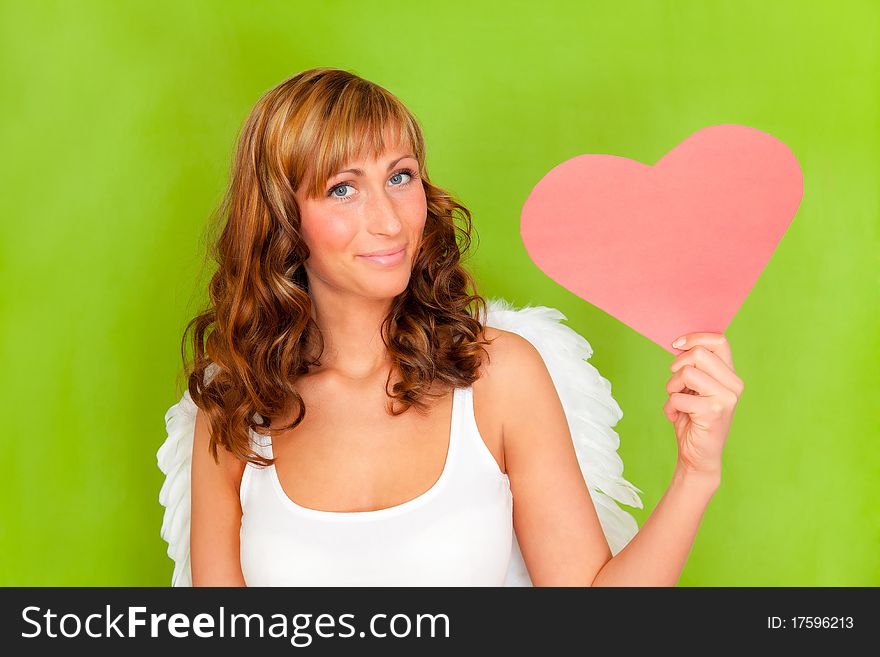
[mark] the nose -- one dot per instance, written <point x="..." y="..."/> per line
<point x="382" y="214"/>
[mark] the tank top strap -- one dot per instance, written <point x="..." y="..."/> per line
<point x="261" y="444"/>
<point x="471" y="440"/>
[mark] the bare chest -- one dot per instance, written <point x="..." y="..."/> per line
<point x="350" y="454"/>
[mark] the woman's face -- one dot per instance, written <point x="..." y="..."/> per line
<point x="380" y="208"/>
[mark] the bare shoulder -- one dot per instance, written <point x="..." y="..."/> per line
<point x="515" y="378"/>
<point x="230" y="468"/>
<point x="511" y="359"/>
<point x="519" y="387"/>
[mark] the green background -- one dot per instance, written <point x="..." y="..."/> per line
<point x="118" y="121"/>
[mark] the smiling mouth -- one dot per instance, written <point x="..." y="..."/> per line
<point x="386" y="259"/>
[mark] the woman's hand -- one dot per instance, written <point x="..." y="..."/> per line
<point x="703" y="393"/>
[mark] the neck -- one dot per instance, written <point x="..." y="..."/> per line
<point x="351" y="328"/>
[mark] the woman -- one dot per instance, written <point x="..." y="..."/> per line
<point x="339" y="302"/>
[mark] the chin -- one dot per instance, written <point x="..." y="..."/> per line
<point x="389" y="289"/>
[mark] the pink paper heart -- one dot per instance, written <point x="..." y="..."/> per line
<point x="668" y="249"/>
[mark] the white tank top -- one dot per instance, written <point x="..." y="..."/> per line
<point x="457" y="533"/>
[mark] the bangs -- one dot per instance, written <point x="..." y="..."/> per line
<point x="360" y="122"/>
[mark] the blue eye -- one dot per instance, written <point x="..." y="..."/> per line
<point x="402" y="173"/>
<point x="397" y="174"/>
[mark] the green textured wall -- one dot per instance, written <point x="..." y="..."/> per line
<point x="118" y="121"/>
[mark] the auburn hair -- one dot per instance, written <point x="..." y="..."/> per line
<point x="256" y="335"/>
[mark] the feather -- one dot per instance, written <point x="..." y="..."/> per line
<point x="175" y="460"/>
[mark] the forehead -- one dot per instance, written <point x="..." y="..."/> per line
<point x="351" y="152"/>
<point x="372" y="150"/>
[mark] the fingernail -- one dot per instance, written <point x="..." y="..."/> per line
<point x="679" y="343"/>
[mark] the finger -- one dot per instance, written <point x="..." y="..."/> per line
<point x="715" y="342"/>
<point x="710" y="362"/>
<point x="669" y="412"/>
<point x="697" y="380"/>
<point x="690" y="404"/>
<point x="702" y="410"/>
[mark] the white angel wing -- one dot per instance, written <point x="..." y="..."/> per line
<point x="591" y="412"/>
<point x="175" y="461"/>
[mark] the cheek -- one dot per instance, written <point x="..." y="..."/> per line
<point x="327" y="234"/>
<point x="417" y="211"/>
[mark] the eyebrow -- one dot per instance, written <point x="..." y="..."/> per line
<point x="360" y="172"/>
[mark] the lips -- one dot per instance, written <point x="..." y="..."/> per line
<point x="385" y="259"/>
<point x="383" y="253"/>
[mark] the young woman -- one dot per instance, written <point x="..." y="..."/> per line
<point x="357" y="423"/>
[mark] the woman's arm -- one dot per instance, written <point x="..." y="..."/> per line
<point x="216" y="513"/>
<point x="556" y="523"/>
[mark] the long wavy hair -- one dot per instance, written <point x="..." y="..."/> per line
<point x="256" y="334"/>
